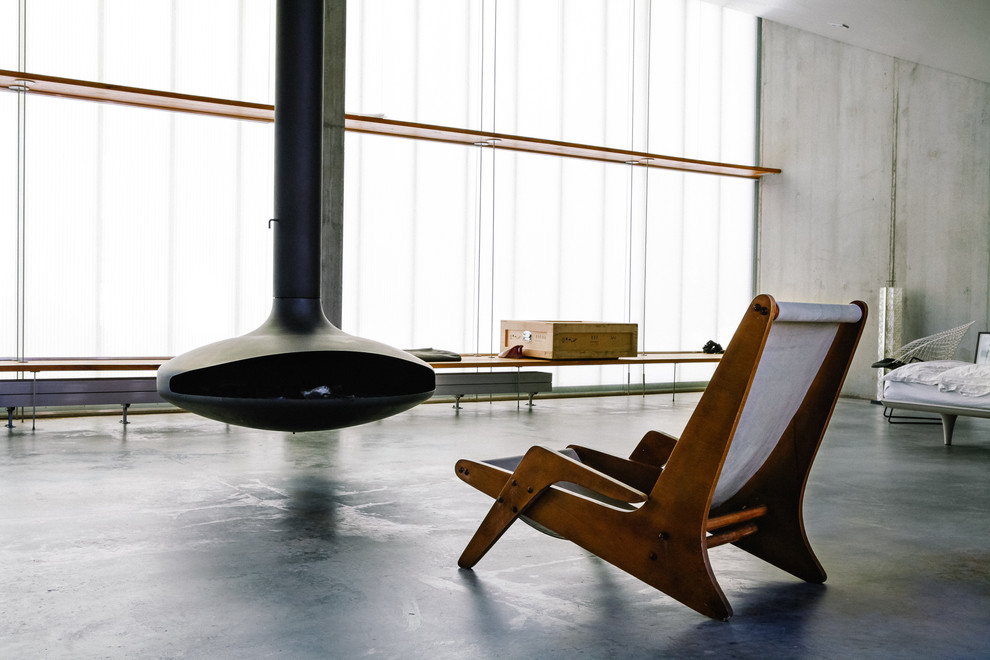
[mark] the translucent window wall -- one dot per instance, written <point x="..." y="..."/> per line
<point x="144" y="232"/>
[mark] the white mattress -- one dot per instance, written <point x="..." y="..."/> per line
<point x="895" y="391"/>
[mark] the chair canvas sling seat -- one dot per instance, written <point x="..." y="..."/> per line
<point x="736" y="474"/>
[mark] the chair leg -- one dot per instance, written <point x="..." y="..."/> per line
<point x="499" y="517"/>
<point x="536" y="472"/>
<point x="509" y="504"/>
<point x="781" y="541"/>
<point x="511" y="501"/>
<point x="696" y="587"/>
<point x="675" y="563"/>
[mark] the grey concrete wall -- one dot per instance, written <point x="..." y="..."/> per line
<point x="886" y="181"/>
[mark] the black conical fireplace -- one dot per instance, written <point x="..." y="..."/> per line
<point x="297" y="372"/>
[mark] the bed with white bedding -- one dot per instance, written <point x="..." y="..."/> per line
<point x="948" y="388"/>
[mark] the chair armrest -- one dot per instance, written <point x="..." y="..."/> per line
<point x="542" y="467"/>
<point x="633" y="473"/>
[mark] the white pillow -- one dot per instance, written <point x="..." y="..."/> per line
<point x="969" y="380"/>
<point x="926" y="373"/>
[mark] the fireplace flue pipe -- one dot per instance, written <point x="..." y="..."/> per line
<point x="298" y="147"/>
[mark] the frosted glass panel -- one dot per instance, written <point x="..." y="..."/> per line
<point x="563" y="70"/>
<point x="8" y="34"/>
<point x="146" y="231"/>
<point x="8" y="225"/>
<point x="410" y="248"/>
<point x="415" y="61"/>
<point x="218" y="48"/>
<point x="62" y="232"/>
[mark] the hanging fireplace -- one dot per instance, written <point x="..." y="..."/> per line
<point x="297" y="372"/>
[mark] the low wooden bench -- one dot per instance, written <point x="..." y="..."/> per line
<point x="474" y="375"/>
<point x="76" y="392"/>
<point x="490" y="361"/>
<point x="483" y="380"/>
<point x="33" y="392"/>
<point x="519" y="382"/>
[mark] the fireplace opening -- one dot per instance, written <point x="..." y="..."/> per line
<point x="307" y="376"/>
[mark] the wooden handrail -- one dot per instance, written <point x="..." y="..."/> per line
<point x="175" y="102"/>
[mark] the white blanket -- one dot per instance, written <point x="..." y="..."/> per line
<point x="949" y="376"/>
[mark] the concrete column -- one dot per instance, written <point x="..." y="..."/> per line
<point x="334" y="58"/>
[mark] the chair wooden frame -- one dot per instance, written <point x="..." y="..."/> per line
<point x="652" y="514"/>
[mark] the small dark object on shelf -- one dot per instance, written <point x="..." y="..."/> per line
<point x="435" y="354"/>
<point x="711" y="348"/>
<point x="512" y="352"/>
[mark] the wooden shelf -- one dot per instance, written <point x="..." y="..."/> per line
<point x="468" y="361"/>
<point x="378" y="126"/>
<point x="134" y="96"/>
<point x="37" y="365"/>
<point x="170" y="101"/>
<point x="486" y="361"/>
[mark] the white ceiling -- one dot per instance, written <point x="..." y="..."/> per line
<point x="951" y="35"/>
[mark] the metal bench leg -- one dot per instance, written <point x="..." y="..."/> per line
<point x="10" y="418"/>
<point x="457" y="401"/>
<point x="125" y="406"/>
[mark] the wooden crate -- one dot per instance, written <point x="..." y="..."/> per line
<point x="570" y="340"/>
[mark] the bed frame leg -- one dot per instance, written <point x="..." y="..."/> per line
<point x="948" y="422"/>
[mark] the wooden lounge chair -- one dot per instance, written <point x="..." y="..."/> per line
<point x="736" y="474"/>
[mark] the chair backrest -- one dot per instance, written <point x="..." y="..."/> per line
<point x="796" y="347"/>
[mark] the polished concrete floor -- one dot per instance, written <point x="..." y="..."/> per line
<point x="180" y="537"/>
